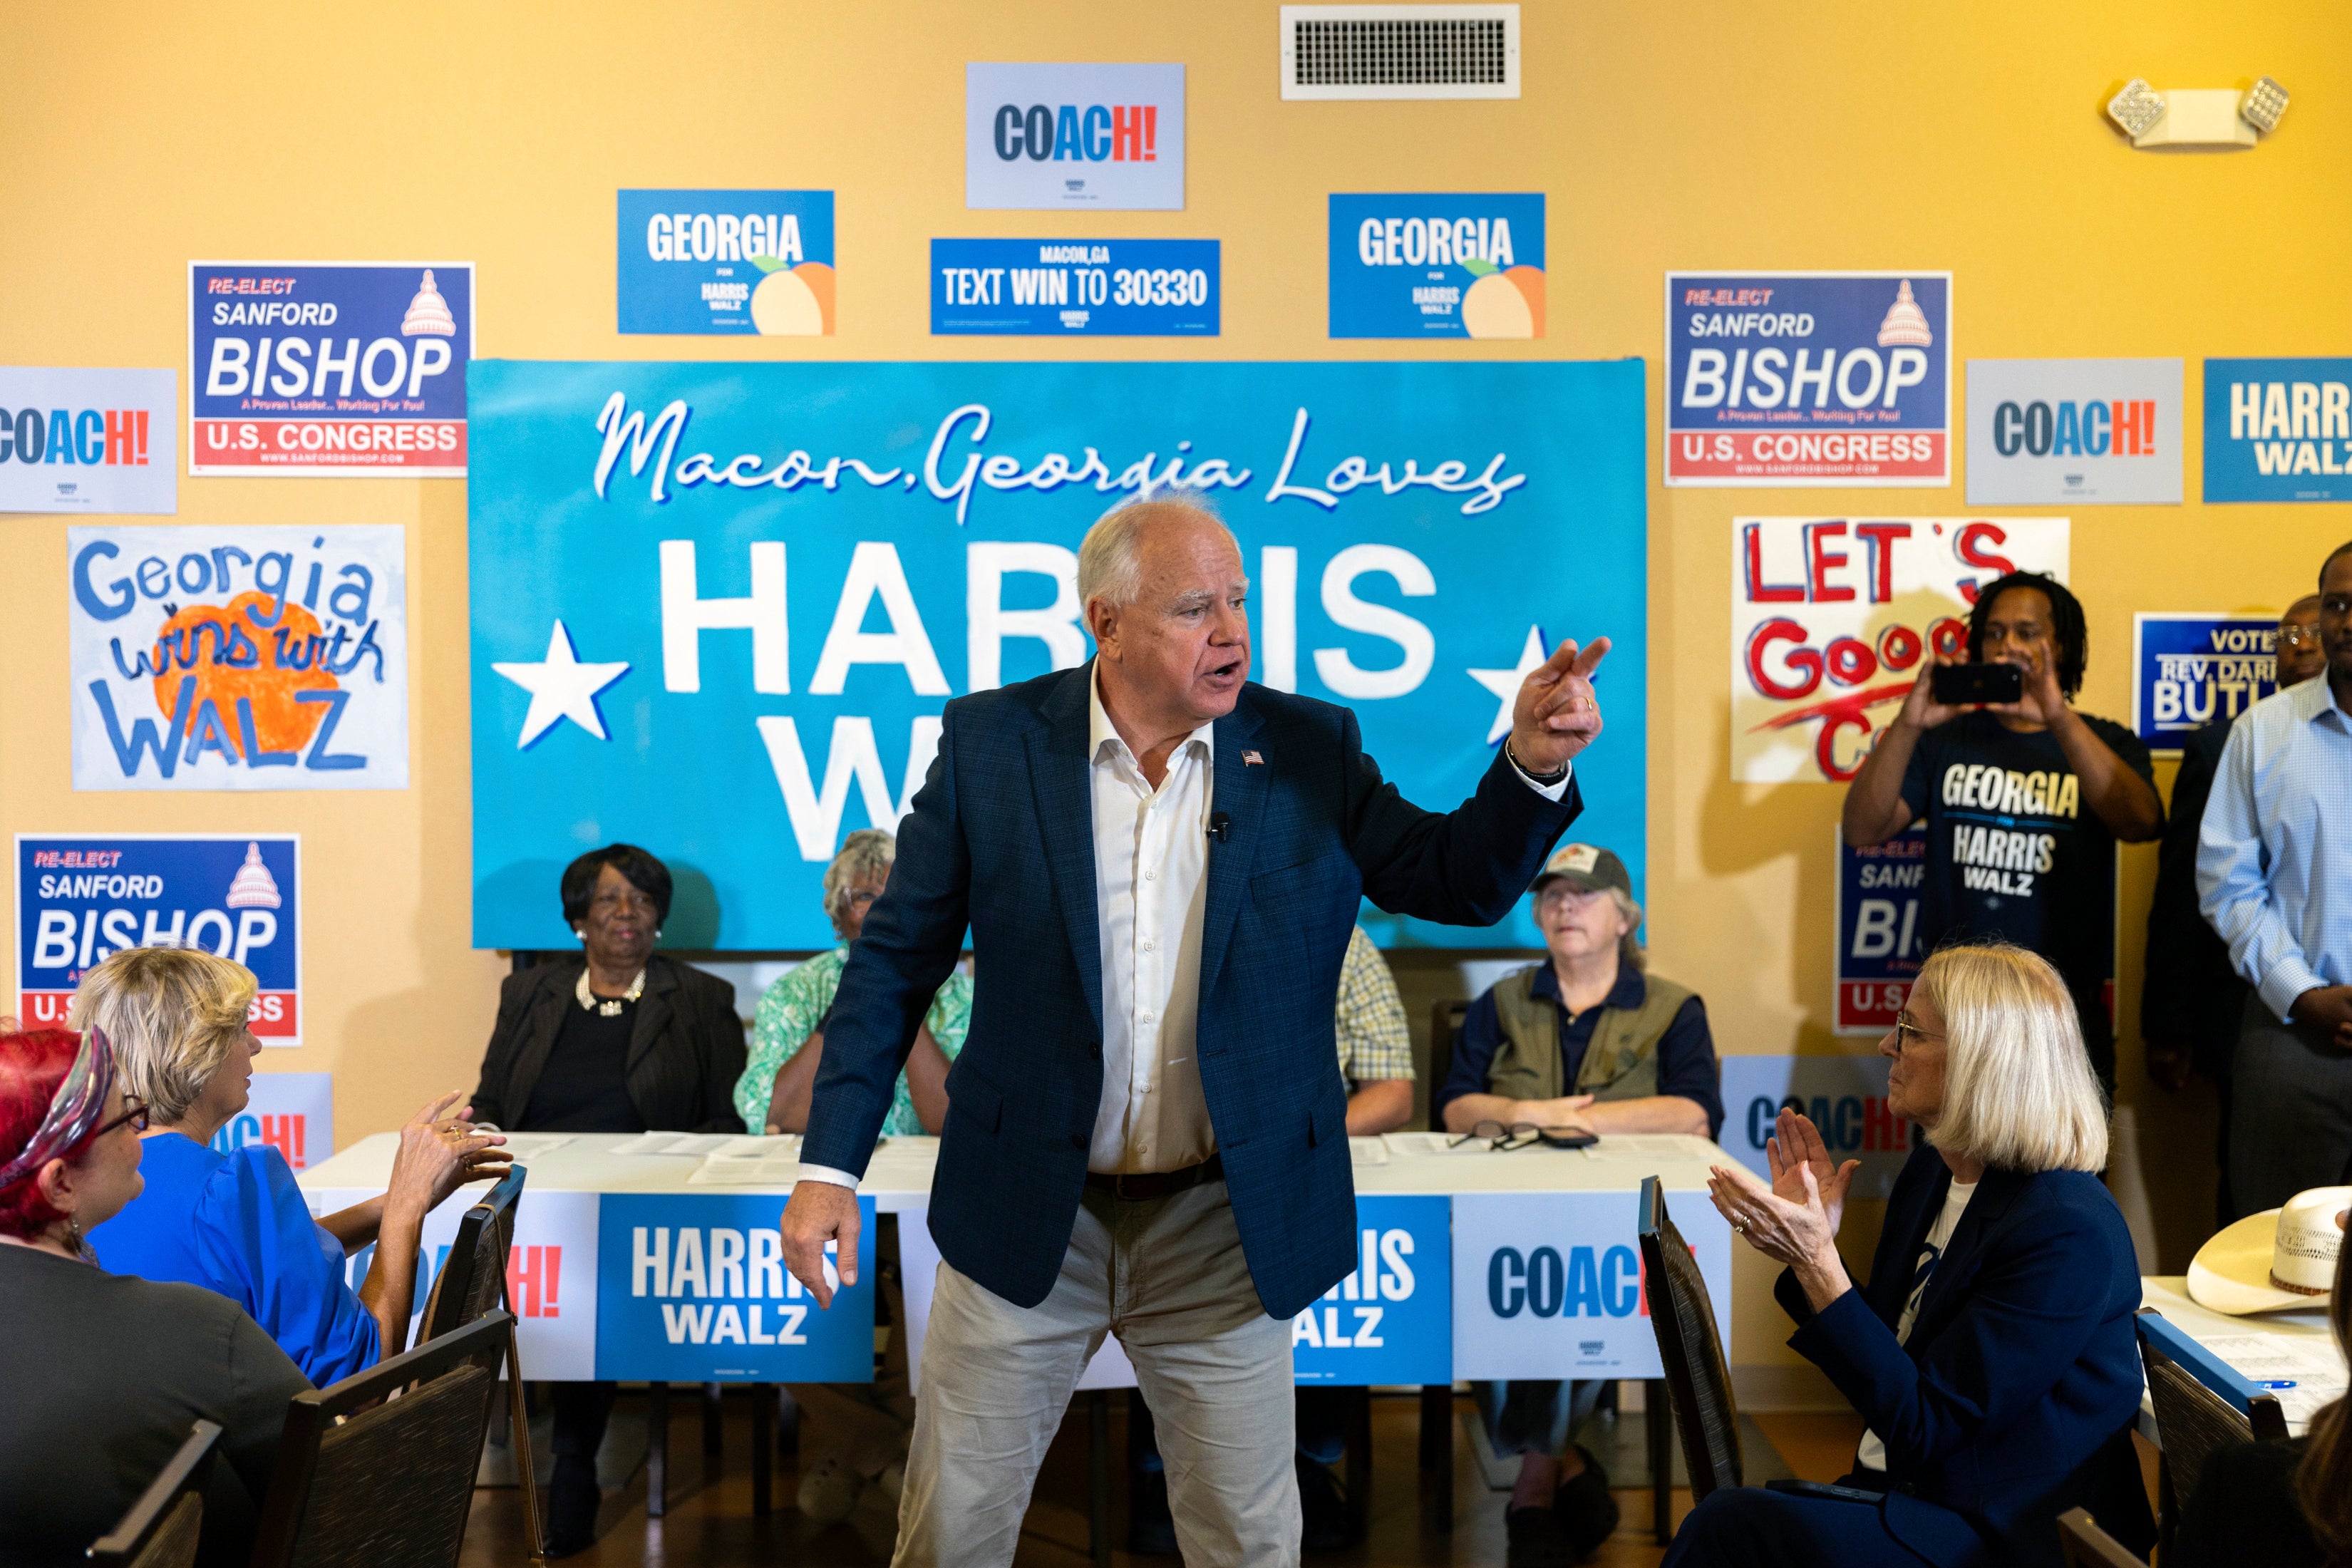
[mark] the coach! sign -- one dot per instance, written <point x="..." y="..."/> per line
<point x="1554" y="1280"/>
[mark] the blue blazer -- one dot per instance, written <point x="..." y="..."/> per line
<point x="2014" y="1398"/>
<point x="1000" y="839"/>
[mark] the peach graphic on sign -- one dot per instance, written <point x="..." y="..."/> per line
<point x="792" y="302"/>
<point x="1502" y="303"/>
<point x="238" y="653"/>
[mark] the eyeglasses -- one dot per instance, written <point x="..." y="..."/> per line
<point x="1502" y="1140"/>
<point x="861" y="898"/>
<point x="2298" y="636"/>
<point x="1903" y="1027"/>
<point x="1562" y="895"/>
<point x="135" y="1119"/>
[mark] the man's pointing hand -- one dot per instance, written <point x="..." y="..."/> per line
<point x="1557" y="714"/>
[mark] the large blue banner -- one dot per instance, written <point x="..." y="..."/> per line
<point x="717" y="609"/>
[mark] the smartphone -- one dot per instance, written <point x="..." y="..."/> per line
<point x="1955" y="685"/>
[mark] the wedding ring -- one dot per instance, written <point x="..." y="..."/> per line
<point x="1739" y="1230"/>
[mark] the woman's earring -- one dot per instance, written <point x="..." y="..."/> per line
<point x="580" y="931"/>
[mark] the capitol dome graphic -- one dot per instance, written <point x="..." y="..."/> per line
<point x="255" y="887"/>
<point x="428" y="313"/>
<point x="1904" y="323"/>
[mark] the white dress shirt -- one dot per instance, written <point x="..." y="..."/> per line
<point x="1152" y="864"/>
<point x="1151" y="867"/>
<point x="2274" y="856"/>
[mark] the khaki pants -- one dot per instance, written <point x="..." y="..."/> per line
<point x="1167" y="1278"/>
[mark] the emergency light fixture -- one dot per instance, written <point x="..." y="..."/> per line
<point x="2197" y="117"/>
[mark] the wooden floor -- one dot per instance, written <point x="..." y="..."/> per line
<point x="710" y="1522"/>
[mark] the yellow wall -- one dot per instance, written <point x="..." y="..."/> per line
<point x="1833" y="134"/>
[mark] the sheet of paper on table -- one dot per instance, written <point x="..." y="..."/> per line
<point x="676" y="1144"/>
<point x="748" y="1145"/>
<point x="2310" y="1362"/>
<point x="524" y="1147"/>
<point x="1367" y="1152"/>
<point x="1433" y="1143"/>
<point x="756" y="1171"/>
<point x="1642" y="1146"/>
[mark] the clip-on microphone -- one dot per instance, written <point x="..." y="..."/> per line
<point x="1221" y="826"/>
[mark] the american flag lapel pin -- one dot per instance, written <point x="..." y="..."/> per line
<point x="1250" y="759"/>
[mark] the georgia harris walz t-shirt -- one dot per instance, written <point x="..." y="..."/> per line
<point x="2013" y="850"/>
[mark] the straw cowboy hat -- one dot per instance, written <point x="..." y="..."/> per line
<point x="2280" y="1259"/>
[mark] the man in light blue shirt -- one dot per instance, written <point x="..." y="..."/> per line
<point x="2274" y="877"/>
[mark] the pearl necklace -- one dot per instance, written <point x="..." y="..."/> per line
<point x="608" y="1006"/>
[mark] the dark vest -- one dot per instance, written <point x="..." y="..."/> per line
<point x="1619" y="1063"/>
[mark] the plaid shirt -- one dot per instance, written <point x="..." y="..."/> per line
<point x="1373" y="1040"/>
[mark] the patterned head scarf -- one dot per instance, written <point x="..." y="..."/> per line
<point x="76" y="1109"/>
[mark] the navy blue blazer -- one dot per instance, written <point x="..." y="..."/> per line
<point x="1000" y="838"/>
<point x="2014" y="1398"/>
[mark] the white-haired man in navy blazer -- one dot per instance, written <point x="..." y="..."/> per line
<point x="1159" y="865"/>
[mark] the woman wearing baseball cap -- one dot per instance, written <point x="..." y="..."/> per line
<point x="1585" y="1042"/>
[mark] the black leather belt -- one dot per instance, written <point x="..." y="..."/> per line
<point x="1158" y="1184"/>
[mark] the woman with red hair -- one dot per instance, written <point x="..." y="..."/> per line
<point x="105" y="1373"/>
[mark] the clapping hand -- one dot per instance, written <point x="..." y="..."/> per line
<point x="1799" y="1234"/>
<point x="1556" y="714"/>
<point x="1797" y="1143"/>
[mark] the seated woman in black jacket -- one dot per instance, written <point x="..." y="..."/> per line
<point x="619" y="1039"/>
<point x="102" y="1374"/>
<point x="2281" y="1505"/>
<point x="1992" y="1353"/>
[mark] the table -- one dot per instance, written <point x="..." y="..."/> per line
<point x="2169" y="1294"/>
<point x="1473" y="1264"/>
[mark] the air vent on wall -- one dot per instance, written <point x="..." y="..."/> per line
<point x="1400" y="51"/>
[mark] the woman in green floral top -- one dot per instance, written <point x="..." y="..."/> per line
<point x="773" y="1092"/>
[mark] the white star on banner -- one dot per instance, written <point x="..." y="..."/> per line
<point x="1505" y="683"/>
<point x="560" y="687"/>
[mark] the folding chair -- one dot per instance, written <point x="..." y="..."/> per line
<point x="161" y="1528"/>
<point x="471" y="1283"/>
<point x="474" y="1280"/>
<point x="2084" y="1545"/>
<point x="2202" y="1405"/>
<point x="1698" y="1383"/>
<point x="379" y="1469"/>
